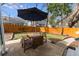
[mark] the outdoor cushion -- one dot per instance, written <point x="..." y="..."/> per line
<point x="74" y="44"/>
<point x="68" y="42"/>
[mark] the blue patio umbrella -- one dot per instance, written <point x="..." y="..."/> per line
<point x="32" y="14"/>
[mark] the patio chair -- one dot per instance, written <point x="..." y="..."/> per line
<point x="63" y="46"/>
<point x="26" y="43"/>
<point x="67" y="43"/>
<point x="32" y="42"/>
<point x="37" y="41"/>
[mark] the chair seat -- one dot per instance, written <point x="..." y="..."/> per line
<point x="32" y="42"/>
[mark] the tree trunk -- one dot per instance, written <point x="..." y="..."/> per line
<point x="61" y="24"/>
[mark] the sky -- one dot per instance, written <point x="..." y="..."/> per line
<point x="11" y="9"/>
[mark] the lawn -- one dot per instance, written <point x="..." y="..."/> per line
<point x="61" y="37"/>
<point x="19" y="35"/>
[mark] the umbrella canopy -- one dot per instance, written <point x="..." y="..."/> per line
<point x="32" y="14"/>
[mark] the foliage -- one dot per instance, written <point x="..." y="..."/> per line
<point x="56" y="9"/>
<point x="59" y="9"/>
<point x="52" y="22"/>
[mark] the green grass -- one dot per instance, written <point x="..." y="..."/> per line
<point x="19" y="35"/>
<point x="61" y="37"/>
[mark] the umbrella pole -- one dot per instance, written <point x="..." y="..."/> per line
<point x="34" y="26"/>
<point x="46" y="26"/>
<point x="46" y="30"/>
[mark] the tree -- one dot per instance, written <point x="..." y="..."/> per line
<point x="52" y="22"/>
<point x="59" y="10"/>
<point x="74" y="17"/>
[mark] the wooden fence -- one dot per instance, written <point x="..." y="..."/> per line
<point x="9" y="28"/>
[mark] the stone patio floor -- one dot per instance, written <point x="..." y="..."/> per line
<point x="47" y="49"/>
